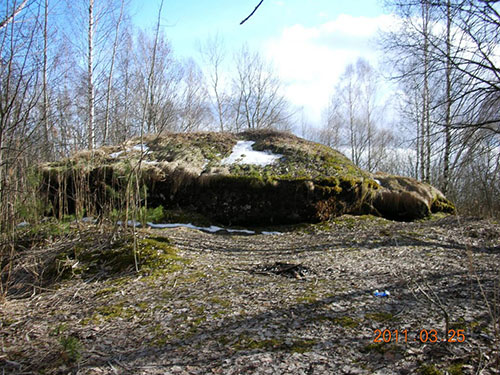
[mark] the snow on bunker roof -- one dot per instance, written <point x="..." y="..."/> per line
<point x="243" y="153"/>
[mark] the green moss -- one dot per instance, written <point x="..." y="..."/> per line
<point x="429" y="369"/>
<point x="343" y="321"/>
<point x="154" y="256"/>
<point x="220" y="301"/>
<point x="310" y="297"/>
<point x="110" y="312"/>
<point x="192" y="277"/>
<point x="442" y="205"/>
<point x="143" y="305"/>
<point x="380" y="316"/>
<point x="105" y="292"/>
<point x="302" y="346"/>
<point x="456" y="369"/>
<point x="159" y="337"/>
<point x="121" y="281"/>
<point x="220" y="314"/>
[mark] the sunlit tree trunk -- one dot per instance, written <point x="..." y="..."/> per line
<point x="447" y="130"/>
<point x="90" y="78"/>
<point x="110" y="76"/>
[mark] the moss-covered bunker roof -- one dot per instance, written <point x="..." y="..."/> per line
<point x="202" y="153"/>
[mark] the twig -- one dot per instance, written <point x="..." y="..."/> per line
<point x="251" y="14"/>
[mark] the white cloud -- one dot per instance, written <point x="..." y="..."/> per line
<point x="310" y="59"/>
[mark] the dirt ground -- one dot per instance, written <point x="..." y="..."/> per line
<point x="299" y="302"/>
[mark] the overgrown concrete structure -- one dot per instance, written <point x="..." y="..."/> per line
<point x="250" y="178"/>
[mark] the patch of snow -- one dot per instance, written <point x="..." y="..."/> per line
<point x="243" y="153"/>
<point x="211" y="229"/>
<point x="150" y="162"/>
<point x="272" y="233"/>
<point x="246" y="231"/>
<point x="140" y="147"/>
<point x="130" y="223"/>
<point x="23" y="224"/>
<point x="162" y="226"/>
<point x="114" y="155"/>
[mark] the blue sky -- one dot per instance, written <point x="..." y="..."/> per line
<point x="309" y="42"/>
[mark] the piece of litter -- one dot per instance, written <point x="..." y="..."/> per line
<point x="23" y="224"/>
<point x="385" y="293"/>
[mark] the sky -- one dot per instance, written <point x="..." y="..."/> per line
<point x="309" y="42"/>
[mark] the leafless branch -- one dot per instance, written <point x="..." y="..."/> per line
<point x="251" y="14"/>
<point x="14" y="13"/>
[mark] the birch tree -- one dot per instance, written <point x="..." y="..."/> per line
<point x="258" y="99"/>
<point x="212" y="53"/>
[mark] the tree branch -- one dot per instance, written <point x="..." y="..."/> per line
<point x="14" y="13"/>
<point x="251" y="14"/>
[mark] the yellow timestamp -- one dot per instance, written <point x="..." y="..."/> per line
<point x="423" y="336"/>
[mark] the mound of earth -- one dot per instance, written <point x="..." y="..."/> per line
<point x="250" y="178"/>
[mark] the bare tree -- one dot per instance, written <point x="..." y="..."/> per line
<point x="352" y="116"/>
<point x="20" y="93"/>
<point x="212" y="52"/>
<point x="475" y="55"/>
<point x="110" y="75"/>
<point x="158" y="91"/>
<point x="330" y="132"/>
<point x="259" y="102"/>
<point x="193" y="113"/>
<point x="149" y="97"/>
<point x="412" y="50"/>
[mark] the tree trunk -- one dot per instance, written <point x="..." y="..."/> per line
<point x="110" y="77"/>
<point x="150" y="80"/>
<point x="90" y="78"/>
<point x="425" y="133"/>
<point x="47" y="147"/>
<point x="447" y="144"/>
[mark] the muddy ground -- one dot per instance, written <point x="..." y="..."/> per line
<point x="300" y="302"/>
